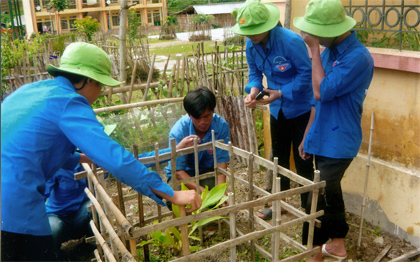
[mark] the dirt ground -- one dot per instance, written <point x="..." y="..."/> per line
<point x="374" y="240"/>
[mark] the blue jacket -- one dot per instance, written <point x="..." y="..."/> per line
<point x="185" y="127"/>
<point x="336" y="131"/>
<point x="65" y="195"/>
<point x="42" y="124"/>
<point x="286" y="64"/>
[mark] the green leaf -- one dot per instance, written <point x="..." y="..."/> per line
<point x="195" y="248"/>
<point x="176" y="233"/>
<point x="175" y="210"/>
<point x="142" y="243"/>
<point x="214" y="195"/>
<point x="184" y="187"/>
<point x="170" y="238"/>
<point x="204" y="222"/>
<point x="204" y="193"/>
<point x="223" y="200"/>
<point x="194" y="237"/>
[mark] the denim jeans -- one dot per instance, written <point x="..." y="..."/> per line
<point x="72" y="226"/>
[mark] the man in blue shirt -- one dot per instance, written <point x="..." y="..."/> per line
<point x="42" y="124"/>
<point x="200" y="121"/>
<point x="341" y="76"/>
<point x="67" y="204"/>
<point x="281" y="55"/>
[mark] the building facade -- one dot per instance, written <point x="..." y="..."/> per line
<point x="41" y="20"/>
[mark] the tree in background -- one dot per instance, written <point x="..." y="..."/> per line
<point x="58" y="6"/>
<point x="134" y="26"/>
<point x="87" y="26"/>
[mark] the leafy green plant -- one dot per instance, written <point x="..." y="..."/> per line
<point x="210" y="200"/>
<point x="382" y="39"/>
<point x="87" y="26"/>
<point x="134" y="26"/>
<point x="171" y="239"/>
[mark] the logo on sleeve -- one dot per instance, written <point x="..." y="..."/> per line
<point x="335" y="63"/>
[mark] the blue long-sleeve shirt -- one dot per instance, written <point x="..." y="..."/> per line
<point x="65" y="195"/>
<point x="185" y="127"/>
<point x="41" y="125"/>
<point x="286" y="64"/>
<point x="336" y="131"/>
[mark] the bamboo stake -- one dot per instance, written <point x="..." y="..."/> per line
<point x="359" y="240"/>
<point x="232" y="220"/>
<point x="184" y="233"/>
<point x="250" y="198"/>
<point x="182" y="76"/>
<point x="166" y="66"/>
<point x="197" y="183"/>
<point x="108" y="201"/>
<point x="171" y="81"/>
<point x="97" y="256"/>
<point x="187" y="75"/>
<point x="149" y="78"/>
<point x="313" y="210"/>
<point x="139" y="104"/>
<point x="113" y="236"/>
<point x="102" y="242"/>
<point x="157" y="160"/>
<point x="232" y="170"/>
<point x="141" y="210"/>
<point x="133" y="77"/>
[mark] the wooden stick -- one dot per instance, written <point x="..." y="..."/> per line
<point x="141" y="210"/>
<point x="139" y="104"/>
<point x="232" y="221"/>
<point x="133" y="78"/>
<point x="113" y="236"/>
<point x="405" y="256"/>
<point x="313" y="210"/>
<point x="149" y="78"/>
<point x="184" y="233"/>
<point x="384" y="251"/>
<point x="108" y="201"/>
<point x="359" y="240"/>
<point x="102" y="242"/>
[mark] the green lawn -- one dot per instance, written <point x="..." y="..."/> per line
<point x="184" y="49"/>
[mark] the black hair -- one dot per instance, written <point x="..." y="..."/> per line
<point x="73" y="78"/>
<point x="197" y="101"/>
<point x="279" y="24"/>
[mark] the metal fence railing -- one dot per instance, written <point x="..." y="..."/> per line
<point x="388" y="18"/>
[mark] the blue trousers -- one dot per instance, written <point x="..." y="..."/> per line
<point x="72" y="226"/>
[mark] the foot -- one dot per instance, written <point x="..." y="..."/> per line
<point x="336" y="248"/>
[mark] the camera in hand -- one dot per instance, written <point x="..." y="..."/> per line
<point x="262" y="94"/>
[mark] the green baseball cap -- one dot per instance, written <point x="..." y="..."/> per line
<point x="324" y="18"/>
<point x="86" y="60"/>
<point x="255" y="18"/>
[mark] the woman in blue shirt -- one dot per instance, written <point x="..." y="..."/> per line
<point x="282" y="57"/>
<point x="41" y="125"/>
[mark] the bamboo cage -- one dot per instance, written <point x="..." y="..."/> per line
<point x="122" y="236"/>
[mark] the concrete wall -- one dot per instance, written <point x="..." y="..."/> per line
<point x="394" y="175"/>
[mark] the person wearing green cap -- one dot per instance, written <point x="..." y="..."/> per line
<point x="42" y="125"/>
<point x="341" y="76"/>
<point x="282" y="57"/>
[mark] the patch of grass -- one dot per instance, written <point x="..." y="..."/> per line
<point x="184" y="49"/>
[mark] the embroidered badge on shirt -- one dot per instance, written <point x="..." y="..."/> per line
<point x="335" y="63"/>
<point x="210" y="151"/>
<point x="281" y="64"/>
